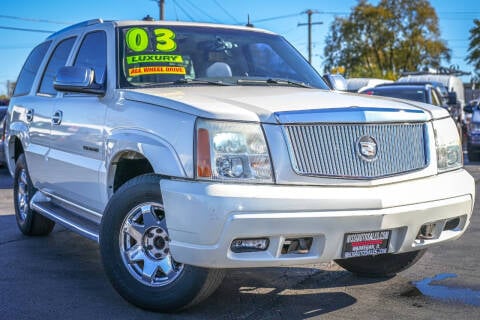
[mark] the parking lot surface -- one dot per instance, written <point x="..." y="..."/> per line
<point x="60" y="276"/>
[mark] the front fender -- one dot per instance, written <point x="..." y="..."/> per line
<point x="161" y="154"/>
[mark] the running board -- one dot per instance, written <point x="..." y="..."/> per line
<point x="69" y="219"/>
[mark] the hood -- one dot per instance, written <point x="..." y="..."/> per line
<point x="281" y="104"/>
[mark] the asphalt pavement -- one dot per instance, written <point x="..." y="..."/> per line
<point x="60" y="277"/>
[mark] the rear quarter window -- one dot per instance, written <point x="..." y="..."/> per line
<point x="30" y="69"/>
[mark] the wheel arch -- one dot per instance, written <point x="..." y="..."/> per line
<point x="17" y="138"/>
<point x="131" y="153"/>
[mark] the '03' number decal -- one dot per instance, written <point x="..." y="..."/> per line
<point x="137" y="39"/>
<point x="165" y="40"/>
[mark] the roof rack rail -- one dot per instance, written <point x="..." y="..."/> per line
<point x="440" y="71"/>
<point x="78" y="25"/>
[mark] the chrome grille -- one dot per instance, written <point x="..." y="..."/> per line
<point x="334" y="150"/>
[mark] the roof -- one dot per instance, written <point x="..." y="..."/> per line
<point x="124" y="23"/>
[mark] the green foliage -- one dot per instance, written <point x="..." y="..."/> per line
<point x="473" y="56"/>
<point x="382" y="41"/>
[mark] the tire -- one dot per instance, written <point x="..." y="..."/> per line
<point x="29" y="222"/>
<point x="135" y="252"/>
<point x="383" y="265"/>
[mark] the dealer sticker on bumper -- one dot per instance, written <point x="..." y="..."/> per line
<point x="365" y="243"/>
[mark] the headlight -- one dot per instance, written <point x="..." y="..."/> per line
<point x="449" y="148"/>
<point x="232" y="151"/>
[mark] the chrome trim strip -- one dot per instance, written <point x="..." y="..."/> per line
<point x="352" y="115"/>
<point x="68" y="224"/>
<point x="93" y="213"/>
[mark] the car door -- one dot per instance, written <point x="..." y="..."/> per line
<point x="77" y="143"/>
<point x="38" y="112"/>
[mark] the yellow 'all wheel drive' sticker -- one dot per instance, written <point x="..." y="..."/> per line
<point x="133" y="72"/>
<point x="145" y="58"/>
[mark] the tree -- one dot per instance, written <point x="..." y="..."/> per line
<point x="384" y="40"/>
<point x="473" y="56"/>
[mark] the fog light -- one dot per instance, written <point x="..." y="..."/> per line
<point x="249" y="245"/>
<point x="452" y="224"/>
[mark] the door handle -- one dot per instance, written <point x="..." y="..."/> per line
<point x="57" y="117"/>
<point x="29" y="115"/>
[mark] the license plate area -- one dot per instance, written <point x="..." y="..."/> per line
<point x="361" y="244"/>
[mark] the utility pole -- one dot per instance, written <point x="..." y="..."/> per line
<point x="161" y="4"/>
<point x="309" y="12"/>
<point x="161" y="7"/>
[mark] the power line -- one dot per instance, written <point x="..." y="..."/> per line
<point x="175" y="10"/>
<point x="277" y="18"/>
<point x="25" y="29"/>
<point x="202" y="11"/>
<point x="226" y="12"/>
<point x="184" y="11"/>
<point x="33" y="19"/>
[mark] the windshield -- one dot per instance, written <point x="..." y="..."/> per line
<point x="159" y="55"/>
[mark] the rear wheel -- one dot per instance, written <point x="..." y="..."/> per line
<point x="382" y="265"/>
<point x="134" y="244"/>
<point x="29" y="222"/>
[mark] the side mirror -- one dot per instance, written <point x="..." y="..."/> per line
<point x="468" y="108"/>
<point x="452" y="98"/>
<point x="336" y="81"/>
<point x="77" y="79"/>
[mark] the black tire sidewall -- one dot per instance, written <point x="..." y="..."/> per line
<point x="170" y="297"/>
<point x="24" y="225"/>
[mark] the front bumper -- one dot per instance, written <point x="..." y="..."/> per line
<point x="204" y="218"/>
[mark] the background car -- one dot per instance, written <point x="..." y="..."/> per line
<point x="425" y="93"/>
<point x="3" y="111"/>
<point x="473" y="130"/>
<point x="357" y="84"/>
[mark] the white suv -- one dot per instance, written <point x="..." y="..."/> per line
<point x="186" y="149"/>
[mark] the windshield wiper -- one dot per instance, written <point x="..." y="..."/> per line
<point x="183" y="81"/>
<point x="281" y="82"/>
<point x="202" y="81"/>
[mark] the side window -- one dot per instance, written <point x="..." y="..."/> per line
<point x="57" y="60"/>
<point x="93" y="54"/>
<point x="30" y="69"/>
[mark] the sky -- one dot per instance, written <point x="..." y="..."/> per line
<point x="280" y="16"/>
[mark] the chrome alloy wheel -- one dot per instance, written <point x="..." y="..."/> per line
<point x="23" y="196"/>
<point x="144" y="246"/>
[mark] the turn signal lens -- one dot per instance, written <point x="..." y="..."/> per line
<point x="204" y="168"/>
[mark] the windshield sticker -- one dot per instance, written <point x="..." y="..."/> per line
<point x="138" y="40"/>
<point x="133" y="72"/>
<point x="145" y="58"/>
<point x="165" y="40"/>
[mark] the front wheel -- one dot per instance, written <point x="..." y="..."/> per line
<point x="134" y="245"/>
<point x="382" y="265"/>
